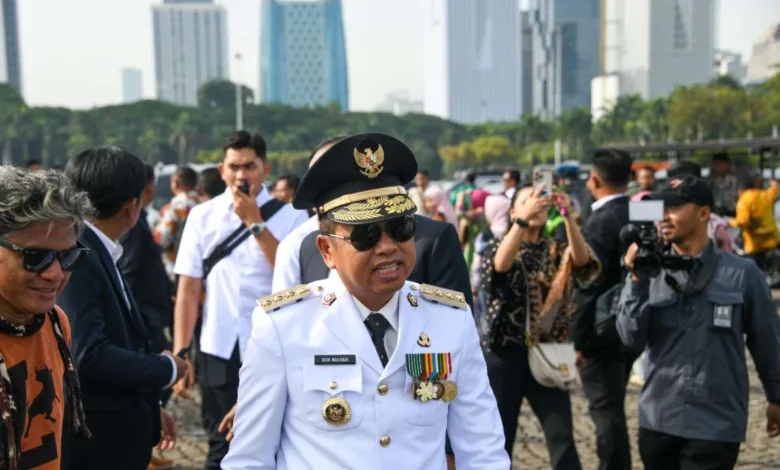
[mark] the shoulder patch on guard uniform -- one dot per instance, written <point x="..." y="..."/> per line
<point x="443" y="296"/>
<point x="276" y="301"/>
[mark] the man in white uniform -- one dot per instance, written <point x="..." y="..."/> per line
<point x="367" y="370"/>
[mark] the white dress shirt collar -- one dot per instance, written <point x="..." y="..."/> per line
<point x="389" y="311"/>
<point x="114" y="249"/>
<point x="604" y="200"/>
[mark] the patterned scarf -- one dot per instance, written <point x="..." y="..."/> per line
<point x="10" y="446"/>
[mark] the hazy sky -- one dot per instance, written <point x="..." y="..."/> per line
<point x="73" y="50"/>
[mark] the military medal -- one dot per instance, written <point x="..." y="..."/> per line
<point x="439" y="387"/>
<point x="430" y="371"/>
<point x="426" y="391"/>
<point x="336" y="411"/>
<point x="450" y="390"/>
<point x="424" y="340"/>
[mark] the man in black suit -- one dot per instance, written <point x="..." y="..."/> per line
<point x="605" y="365"/>
<point x="142" y="267"/>
<point x="440" y="260"/>
<point x="121" y="379"/>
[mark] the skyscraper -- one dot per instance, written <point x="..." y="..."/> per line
<point x="565" y="35"/>
<point x="10" y="60"/>
<point x="661" y="44"/>
<point x="766" y="56"/>
<point x="132" y="85"/>
<point x="472" y="57"/>
<point x="303" y="59"/>
<point x="190" y="47"/>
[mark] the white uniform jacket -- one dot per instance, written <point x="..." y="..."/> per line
<point x="280" y="424"/>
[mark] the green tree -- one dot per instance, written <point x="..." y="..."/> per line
<point x="222" y="94"/>
<point x="574" y="128"/>
<point x="493" y="150"/>
<point x="726" y="81"/>
<point x="619" y="121"/>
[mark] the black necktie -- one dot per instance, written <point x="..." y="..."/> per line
<point x="377" y="326"/>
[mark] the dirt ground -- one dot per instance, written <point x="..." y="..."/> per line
<point x="758" y="452"/>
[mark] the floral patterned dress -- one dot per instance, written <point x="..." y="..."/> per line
<point x="527" y="285"/>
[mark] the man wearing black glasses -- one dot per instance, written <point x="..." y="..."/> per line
<point x="41" y="217"/>
<point x="364" y="370"/>
<point x="121" y="378"/>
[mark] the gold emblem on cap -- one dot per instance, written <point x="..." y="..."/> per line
<point x="336" y="411"/>
<point x="369" y="161"/>
<point x="412" y="299"/>
<point x="424" y="340"/>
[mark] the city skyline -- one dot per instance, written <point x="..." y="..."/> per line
<point x="109" y="36"/>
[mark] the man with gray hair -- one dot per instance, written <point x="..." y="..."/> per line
<point x="41" y="218"/>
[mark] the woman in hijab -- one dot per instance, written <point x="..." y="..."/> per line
<point x="438" y="205"/>
<point x="497" y="217"/>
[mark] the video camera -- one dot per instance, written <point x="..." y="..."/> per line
<point x="650" y="259"/>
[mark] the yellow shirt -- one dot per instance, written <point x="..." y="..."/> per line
<point x="755" y="216"/>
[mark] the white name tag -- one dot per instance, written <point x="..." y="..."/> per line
<point x="722" y="316"/>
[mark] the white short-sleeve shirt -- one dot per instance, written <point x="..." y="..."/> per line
<point x="287" y="269"/>
<point x="237" y="281"/>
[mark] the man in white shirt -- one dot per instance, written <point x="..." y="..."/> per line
<point x="228" y="248"/>
<point x="287" y="269"/>
<point x="365" y="370"/>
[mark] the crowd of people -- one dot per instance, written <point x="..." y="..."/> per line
<point x="362" y="317"/>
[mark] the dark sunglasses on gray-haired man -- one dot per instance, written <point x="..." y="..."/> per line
<point x="37" y="260"/>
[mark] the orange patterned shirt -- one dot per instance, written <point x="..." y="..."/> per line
<point x="37" y="374"/>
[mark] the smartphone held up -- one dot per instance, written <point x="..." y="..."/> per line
<point x="546" y="178"/>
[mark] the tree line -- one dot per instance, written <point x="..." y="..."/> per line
<point x="163" y="132"/>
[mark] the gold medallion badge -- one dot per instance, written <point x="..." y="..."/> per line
<point x="370" y="161"/>
<point x="450" y="390"/>
<point x="336" y="411"/>
<point x="424" y="340"/>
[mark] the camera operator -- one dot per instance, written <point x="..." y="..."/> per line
<point x="695" y="308"/>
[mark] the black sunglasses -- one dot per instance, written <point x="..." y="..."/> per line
<point x="365" y="237"/>
<point x="38" y="260"/>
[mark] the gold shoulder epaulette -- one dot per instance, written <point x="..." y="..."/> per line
<point x="443" y="296"/>
<point x="276" y="301"/>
